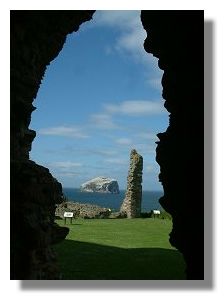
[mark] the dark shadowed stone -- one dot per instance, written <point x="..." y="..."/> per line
<point x="36" y="39"/>
<point x="177" y="39"/>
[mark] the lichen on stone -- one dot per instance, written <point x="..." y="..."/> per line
<point x="131" y="206"/>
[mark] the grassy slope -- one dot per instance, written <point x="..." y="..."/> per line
<point x="119" y="249"/>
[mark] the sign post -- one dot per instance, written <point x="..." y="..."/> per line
<point x="68" y="215"/>
<point x="155" y="213"/>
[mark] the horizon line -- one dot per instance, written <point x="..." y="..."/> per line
<point x="68" y="187"/>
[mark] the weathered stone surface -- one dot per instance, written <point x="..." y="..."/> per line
<point x="177" y="39"/>
<point x="83" y="210"/>
<point x="36" y="39"/>
<point x="131" y="205"/>
<point x="34" y="230"/>
<point x="101" y="185"/>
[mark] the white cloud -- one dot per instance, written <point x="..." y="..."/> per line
<point x="123" y="141"/>
<point x="146" y="135"/>
<point x="155" y="83"/>
<point x="136" y="108"/>
<point x="131" y="34"/>
<point x="118" y="18"/>
<point x="151" y="169"/>
<point x="148" y="169"/>
<point x="104" y="152"/>
<point x="83" y="151"/>
<point x="145" y="148"/>
<point x="66" y="165"/>
<point x="68" y="174"/>
<point x="131" y="43"/>
<point x="118" y="161"/>
<point x="103" y="121"/>
<point x="73" y="132"/>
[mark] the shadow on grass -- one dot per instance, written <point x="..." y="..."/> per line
<point x="88" y="261"/>
<point x="67" y="225"/>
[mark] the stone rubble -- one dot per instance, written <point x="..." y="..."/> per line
<point x="82" y="210"/>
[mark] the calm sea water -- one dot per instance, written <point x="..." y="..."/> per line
<point x="150" y="200"/>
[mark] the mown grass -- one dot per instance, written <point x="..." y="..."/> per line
<point x="119" y="249"/>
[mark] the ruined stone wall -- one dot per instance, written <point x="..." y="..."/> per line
<point x="36" y="39"/>
<point x="176" y="38"/>
<point x="131" y="206"/>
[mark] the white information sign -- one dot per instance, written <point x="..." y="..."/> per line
<point x="68" y="214"/>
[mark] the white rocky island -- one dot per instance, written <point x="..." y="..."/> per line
<point x="101" y="185"/>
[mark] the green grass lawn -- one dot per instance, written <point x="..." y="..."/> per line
<point x="119" y="249"/>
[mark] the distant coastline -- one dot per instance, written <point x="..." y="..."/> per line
<point x="122" y="189"/>
<point x="150" y="199"/>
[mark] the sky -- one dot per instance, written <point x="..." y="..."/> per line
<point x="100" y="98"/>
<point x="215" y="48"/>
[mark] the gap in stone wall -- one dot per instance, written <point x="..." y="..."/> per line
<point x="99" y="99"/>
<point x="36" y="38"/>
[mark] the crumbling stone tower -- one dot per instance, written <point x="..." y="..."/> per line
<point x="131" y="206"/>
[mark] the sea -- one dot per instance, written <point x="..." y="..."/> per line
<point x="150" y="199"/>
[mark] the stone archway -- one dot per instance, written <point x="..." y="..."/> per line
<point x="176" y="38"/>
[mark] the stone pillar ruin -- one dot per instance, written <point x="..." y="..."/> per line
<point x="131" y="206"/>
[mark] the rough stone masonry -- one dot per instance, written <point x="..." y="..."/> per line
<point x="131" y="206"/>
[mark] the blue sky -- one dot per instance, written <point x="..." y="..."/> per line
<point x="100" y="98"/>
